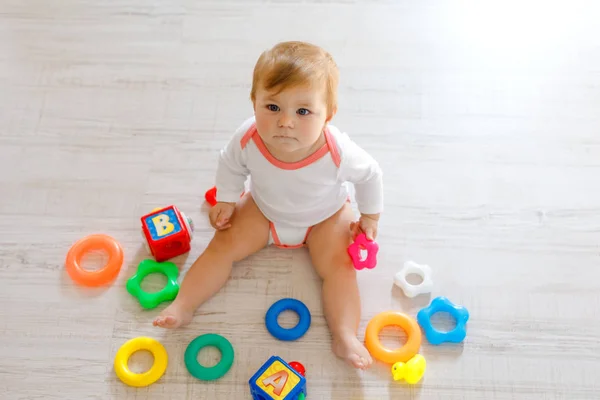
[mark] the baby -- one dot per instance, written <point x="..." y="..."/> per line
<point x="298" y="166"/>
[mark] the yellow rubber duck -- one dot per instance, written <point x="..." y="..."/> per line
<point x="412" y="371"/>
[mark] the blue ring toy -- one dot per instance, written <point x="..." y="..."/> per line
<point x="287" y="334"/>
<point x="442" y="304"/>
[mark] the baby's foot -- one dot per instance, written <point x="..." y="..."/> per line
<point x="173" y="317"/>
<point x="350" y="349"/>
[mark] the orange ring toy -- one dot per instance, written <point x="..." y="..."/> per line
<point x="103" y="275"/>
<point x="390" y="318"/>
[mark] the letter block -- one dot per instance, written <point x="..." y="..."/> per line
<point x="168" y="232"/>
<point x="277" y="380"/>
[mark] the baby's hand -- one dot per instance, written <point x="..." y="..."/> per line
<point x="220" y="214"/>
<point x="367" y="224"/>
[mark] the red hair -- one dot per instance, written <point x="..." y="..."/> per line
<point x="291" y="64"/>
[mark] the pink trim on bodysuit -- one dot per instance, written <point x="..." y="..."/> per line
<point x="329" y="146"/>
<point x="335" y="154"/>
<point x="247" y="136"/>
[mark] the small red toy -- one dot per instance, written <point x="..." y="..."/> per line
<point x="168" y="232"/>
<point x="211" y="196"/>
<point x="298" y="367"/>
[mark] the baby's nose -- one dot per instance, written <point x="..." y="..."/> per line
<point x="286" y="121"/>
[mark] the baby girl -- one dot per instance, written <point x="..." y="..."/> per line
<point x="298" y="165"/>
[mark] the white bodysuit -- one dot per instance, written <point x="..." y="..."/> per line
<point x="296" y="196"/>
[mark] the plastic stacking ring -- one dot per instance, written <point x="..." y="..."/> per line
<point x="102" y="276"/>
<point x="391" y="318"/>
<point x="208" y="373"/>
<point x="443" y="304"/>
<point x="153" y="374"/>
<point x="288" y="334"/>
<point x="410" y="290"/>
<point x="147" y="267"/>
<point x="361" y="242"/>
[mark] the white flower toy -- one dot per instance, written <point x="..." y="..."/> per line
<point x="410" y="290"/>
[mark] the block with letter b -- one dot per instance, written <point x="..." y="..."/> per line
<point x="168" y="232"/>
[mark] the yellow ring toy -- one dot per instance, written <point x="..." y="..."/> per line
<point x="146" y="378"/>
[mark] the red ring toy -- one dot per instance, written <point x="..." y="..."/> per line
<point x="105" y="274"/>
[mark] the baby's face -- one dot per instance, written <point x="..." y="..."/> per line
<point x="292" y="120"/>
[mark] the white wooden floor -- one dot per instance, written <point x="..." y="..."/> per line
<point x="485" y="117"/>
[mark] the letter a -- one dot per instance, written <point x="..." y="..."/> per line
<point x="277" y="380"/>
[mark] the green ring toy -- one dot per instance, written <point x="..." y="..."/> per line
<point x="151" y="300"/>
<point x="212" y="373"/>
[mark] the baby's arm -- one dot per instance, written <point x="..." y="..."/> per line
<point x="230" y="177"/>
<point x="362" y="170"/>
<point x="231" y="171"/>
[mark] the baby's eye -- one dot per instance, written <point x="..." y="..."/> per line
<point x="273" y="107"/>
<point x="303" y="111"/>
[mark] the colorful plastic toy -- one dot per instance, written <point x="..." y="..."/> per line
<point x="168" y="232"/>
<point x="211" y="196"/>
<point x="102" y="276"/>
<point x="412" y="371"/>
<point x="442" y="304"/>
<point x="298" y="367"/>
<point x="410" y="290"/>
<point x="288" y="334"/>
<point x="151" y="300"/>
<point x="149" y="377"/>
<point x="211" y="373"/>
<point x="393" y="318"/>
<point x="362" y="243"/>
<point x="277" y="380"/>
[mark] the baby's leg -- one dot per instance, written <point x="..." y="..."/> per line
<point x="249" y="232"/>
<point x="328" y="243"/>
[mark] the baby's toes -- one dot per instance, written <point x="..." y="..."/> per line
<point x="366" y="361"/>
<point x="356" y="361"/>
<point x="169" y="321"/>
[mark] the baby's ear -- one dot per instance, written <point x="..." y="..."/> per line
<point x="330" y="117"/>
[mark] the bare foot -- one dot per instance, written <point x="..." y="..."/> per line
<point x="350" y="349"/>
<point x="173" y="317"/>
